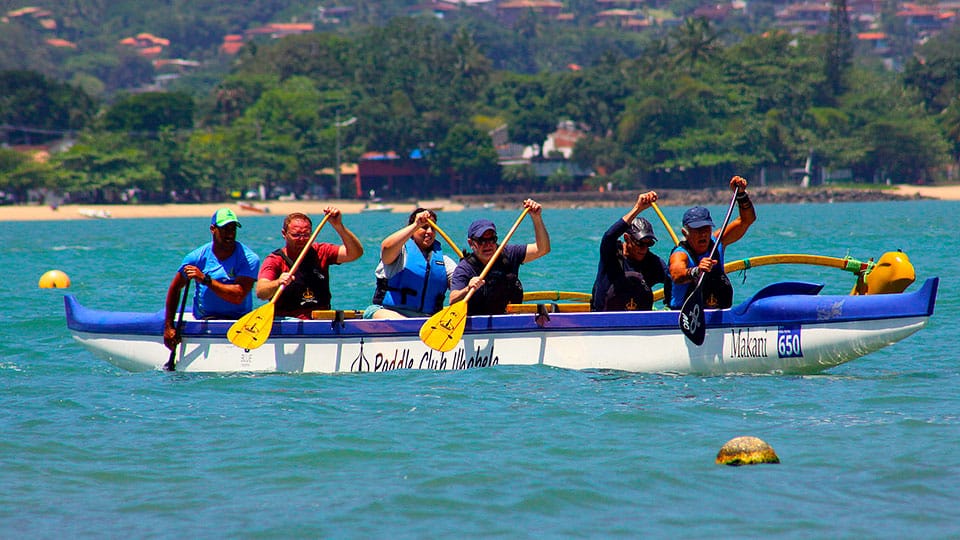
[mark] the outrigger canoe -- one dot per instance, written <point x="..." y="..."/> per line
<point x="787" y="327"/>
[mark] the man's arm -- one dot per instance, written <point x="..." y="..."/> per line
<point x="747" y="214"/>
<point x="351" y="249"/>
<point x="542" y="238"/>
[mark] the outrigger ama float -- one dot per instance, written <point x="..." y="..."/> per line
<point x="787" y="327"/>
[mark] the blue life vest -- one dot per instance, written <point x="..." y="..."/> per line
<point x="717" y="290"/>
<point x="422" y="284"/>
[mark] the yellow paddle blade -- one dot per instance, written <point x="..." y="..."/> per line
<point x="253" y="329"/>
<point x="442" y="331"/>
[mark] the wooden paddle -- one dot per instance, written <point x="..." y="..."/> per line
<point x="171" y="364"/>
<point x="445" y="237"/>
<point x="692" y="321"/>
<point x="253" y="329"/>
<point x="666" y="223"/>
<point x="443" y="330"/>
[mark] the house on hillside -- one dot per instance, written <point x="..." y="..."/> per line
<point x="278" y="30"/>
<point x="146" y="45"/>
<point x="509" y="12"/>
<point x="806" y="17"/>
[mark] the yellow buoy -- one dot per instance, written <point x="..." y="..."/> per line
<point x="746" y="451"/>
<point x="54" y="279"/>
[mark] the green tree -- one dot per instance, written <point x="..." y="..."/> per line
<point x="37" y="109"/>
<point x="839" y="47"/>
<point x="100" y="167"/>
<point x="20" y="173"/>
<point x="694" y="41"/>
<point x="468" y="158"/>
<point x="147" y="114"/>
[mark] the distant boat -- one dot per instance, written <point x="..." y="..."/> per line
<point x="96" y="214"/>
<point x="252" y="207"/>
<point x="376" y="208"/>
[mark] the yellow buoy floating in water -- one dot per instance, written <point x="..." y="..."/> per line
<point x="54" y="279"/>
<point x="746" y="451"/>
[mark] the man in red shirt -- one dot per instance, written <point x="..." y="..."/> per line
<point x="308" y="288"/>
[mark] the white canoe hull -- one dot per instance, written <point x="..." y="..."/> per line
<point x="770" y="333"/>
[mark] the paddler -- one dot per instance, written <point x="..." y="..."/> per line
<point x="502" y="283"/>
<point x="413" y="275"/>
<point x="690" y="258"/>
<point x="627" y="270"/>
<point x="307" y="289"/>
<point x="225" y="271"/>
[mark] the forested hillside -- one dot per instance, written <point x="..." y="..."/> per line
<point x="685" y="107"/>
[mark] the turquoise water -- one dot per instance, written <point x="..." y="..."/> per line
<point x="868" y="449"/>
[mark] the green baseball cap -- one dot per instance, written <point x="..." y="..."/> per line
<point x="224" y="216"/>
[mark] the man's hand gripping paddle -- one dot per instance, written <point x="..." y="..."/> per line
<point x="444" y="329"/>
<point x="692" y="320"/>
<point x="253" y="329"/>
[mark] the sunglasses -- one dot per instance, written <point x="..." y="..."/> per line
<point x="645" y="243"/>
<point x="300" y="236"/>
<point x="483" y="241"/>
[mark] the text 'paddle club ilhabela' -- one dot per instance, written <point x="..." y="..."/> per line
<point x="692" y="321"/>
<point x="253" y="329"/>
<point x="443" y="330"/>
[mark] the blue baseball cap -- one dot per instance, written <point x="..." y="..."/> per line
<point x="224" y="216"/>
<point x="697" y="217"/>
<point x="480" y="226"/>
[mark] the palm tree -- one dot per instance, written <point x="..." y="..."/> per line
<point x="694" y="41"/>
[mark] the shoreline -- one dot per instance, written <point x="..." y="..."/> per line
<point x="71" y="212"/>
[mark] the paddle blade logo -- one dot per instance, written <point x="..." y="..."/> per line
<point x="253" y="329"/>
<point x="691" y="319"/>
<point x="442" y="331"/>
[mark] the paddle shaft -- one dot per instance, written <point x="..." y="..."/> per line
<point x="171" y="364"/>
<point x="303" y="252"/>
<point x="496" y="254"/>
<point x="665" y="223"/>
<point x="445" y="237"/>
<point x="716" y="245"/>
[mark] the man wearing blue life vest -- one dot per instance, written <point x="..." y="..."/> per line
<point x="627" y="271"/>
<point x="413" y="275"/>
<point x="502" y="283"/>
<point x="225" y="271"/>
<point x="690" y="258"/>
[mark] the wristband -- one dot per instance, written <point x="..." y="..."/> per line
<point x="742" y="196"/>
<point x="694" y="272"/>
<point x="206" y="279"/>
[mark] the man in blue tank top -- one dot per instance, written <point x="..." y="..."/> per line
<point x="690" y="258"/>
<point x="225" y="271"/>
<point x="413" y="275"/>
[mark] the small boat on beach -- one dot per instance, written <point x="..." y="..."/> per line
<point x="377" y="208"/>
<point x="786" y="327"/>
<point x="94" y="213"/>
<point x="253" y="207"/>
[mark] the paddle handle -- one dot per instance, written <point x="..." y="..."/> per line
<point x="445" y="237"/>
<point x="303" y="252"/>
<point x="496" y="254"/>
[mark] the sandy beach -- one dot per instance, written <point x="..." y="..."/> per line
<point x="282" y="208"/>
<point x="275" y="208"/>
